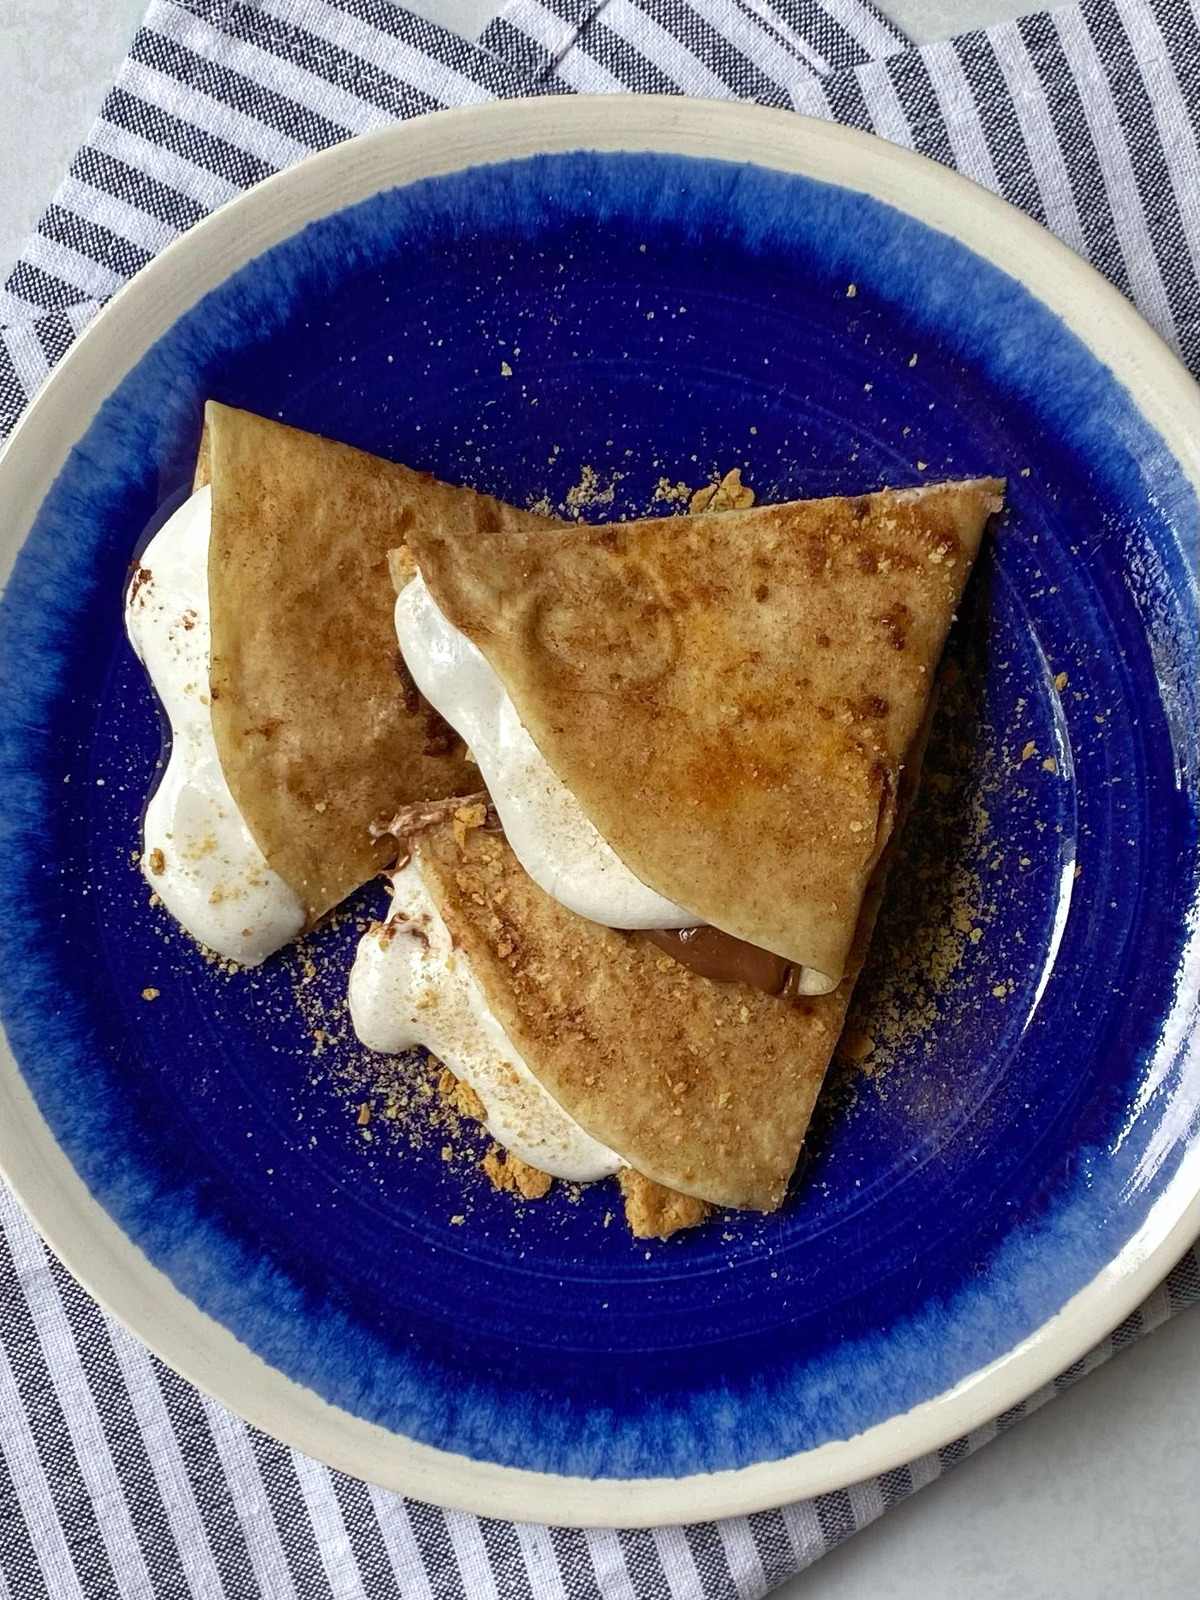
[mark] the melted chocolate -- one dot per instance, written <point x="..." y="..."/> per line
<point x="723" y="958"/>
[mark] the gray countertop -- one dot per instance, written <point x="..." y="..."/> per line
<point x="1091" y="1498"/>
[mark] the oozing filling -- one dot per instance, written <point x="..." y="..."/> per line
<point x="197" y="852"/>
<point x="409" y="986"/>
<point x="545" y="825"/>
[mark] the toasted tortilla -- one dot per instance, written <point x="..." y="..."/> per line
<point x="705" y="1088"/>
<point x="730" y="696"/>
<point x="317" y="731"/>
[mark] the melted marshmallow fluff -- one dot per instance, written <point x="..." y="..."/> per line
<point x="546" y="826"/>
<point x="197" y="852"/>
<point x="410" y="987"/>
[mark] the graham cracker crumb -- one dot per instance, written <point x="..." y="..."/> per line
<point x="728" y="494"/>
<point x="326" y="1027"/>
<point x="466" y="818"/>
<point x="150" y="994"/>
<point x="655" y="1212"/>
<point x="414" y="819"/>
<point x="1060" y="681"/>
<point x="937" y="907"/>
<point x="157" y="862"/>
<point x="512" y="1175"/>
<point x="671" y="493"/>
<point x="856" y="1045"/>
<point x="1050" y="764"/>
<point x="588" y="492"/>
<point x="460" y="1097"/>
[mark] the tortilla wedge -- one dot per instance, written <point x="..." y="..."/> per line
<point x="705" y="1088"/>
<point x="730" y="696"/>
<point x="317" y="731"/>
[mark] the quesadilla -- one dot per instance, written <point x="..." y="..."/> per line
<point x="586" y="1051"/>
<point x="315" y="730"/>
<point x="704" y="1088"/>
<point x="262" y="612"/>
<point x="709" y="713"/>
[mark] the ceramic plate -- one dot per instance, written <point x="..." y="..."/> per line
<point x="530" y="298"/>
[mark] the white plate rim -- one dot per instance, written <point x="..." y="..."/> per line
<point x="97" y="1252"/>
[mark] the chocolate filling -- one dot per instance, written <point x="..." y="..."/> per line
<point x="724" y="959"/>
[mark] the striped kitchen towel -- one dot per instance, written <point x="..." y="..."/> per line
<point x="117" y="1478"/>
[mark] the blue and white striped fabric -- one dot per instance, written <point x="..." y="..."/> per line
<point x="117" y="1478"/>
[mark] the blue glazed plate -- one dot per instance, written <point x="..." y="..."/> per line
<point x="507" y="297"/>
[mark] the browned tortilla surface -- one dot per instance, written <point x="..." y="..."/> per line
<point x="730" y="696"/>
<point x="317" y="731"/>
<point x="706" y="1088"/>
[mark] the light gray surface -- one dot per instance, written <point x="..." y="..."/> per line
<point x="1091" y="1498"/>
<point x="57" y="58"/>
<point x="924" y="20"/>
